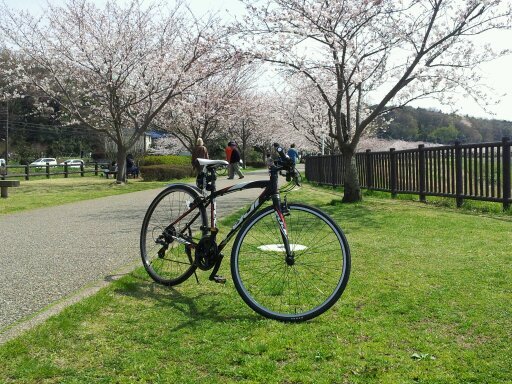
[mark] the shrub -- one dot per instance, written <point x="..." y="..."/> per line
<point x="168" y="159"/>
<point x="162" y="172"/>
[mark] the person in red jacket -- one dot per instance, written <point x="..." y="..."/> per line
<point x="229" y="150"/>
<point x="235" y="162"/>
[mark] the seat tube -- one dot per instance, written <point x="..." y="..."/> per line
<point x="213" y="212"/>
<point x="276" y="202"/>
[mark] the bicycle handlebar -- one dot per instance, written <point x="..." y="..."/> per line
<point x="288" y="164"/>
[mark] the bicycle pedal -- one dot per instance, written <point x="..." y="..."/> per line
<point x="219" y="279"/>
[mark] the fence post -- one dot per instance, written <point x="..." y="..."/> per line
<point x="506" y="173"/>
<point x="47" y="170"/>
<point x="392" y="171"/>
<point x="333" y="174"/>
<point x="27" y="172"/>
<point x="96" y="168"/>
<point x="458" y="174"/>
<point x="369" y="170"/>
<point x="66" y="170"/>
<point x="82" y="170"/>
<point x="422" y="171"/>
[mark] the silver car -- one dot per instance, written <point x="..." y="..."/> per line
<point x="43" y="161"/>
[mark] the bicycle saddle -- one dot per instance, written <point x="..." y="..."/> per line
<point x="207" y="162"/>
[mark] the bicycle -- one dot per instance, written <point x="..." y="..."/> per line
<point x="289" y="262"/>
<point x="222" y="170"/>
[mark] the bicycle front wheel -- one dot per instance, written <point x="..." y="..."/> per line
<point x="171" y="224"/>
<point x="291" y="290"/>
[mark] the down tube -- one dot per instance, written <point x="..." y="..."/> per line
<point x="250" y="211"/>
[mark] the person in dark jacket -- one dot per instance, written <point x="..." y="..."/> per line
<point x="131" y="168"/>
<point x="199" y="152"/>
<point x="234" y="161"/>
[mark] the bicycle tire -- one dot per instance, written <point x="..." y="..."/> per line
<point x="167" y="261"/>
<point x="303" y="290"/>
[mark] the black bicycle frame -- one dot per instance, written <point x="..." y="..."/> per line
<point x="270" y="192"/>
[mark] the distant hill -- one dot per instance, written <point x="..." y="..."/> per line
<point x="376" y="144"/>
<point x="419" y="124"/>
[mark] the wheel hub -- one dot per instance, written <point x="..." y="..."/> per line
<point x="290" y="260"/>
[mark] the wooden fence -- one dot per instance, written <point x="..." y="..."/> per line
<point x="30" y="171"/>
<point x="461" y="171"/>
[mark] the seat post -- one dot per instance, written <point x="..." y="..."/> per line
<point x="212" y="177"/>
<point x="213" y="206"/>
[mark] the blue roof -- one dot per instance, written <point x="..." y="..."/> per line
<point x="154" y="135"/>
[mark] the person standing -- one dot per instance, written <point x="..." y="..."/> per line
<point x="293" y="154"/>
<point x="199" y="152"/>
<point x="235" y="162"/>
<point x="228" y="151"/>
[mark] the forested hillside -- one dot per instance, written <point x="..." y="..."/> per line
<point x="420" y="124"/>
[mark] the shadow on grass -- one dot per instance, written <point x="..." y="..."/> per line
<point x="351" y="217"/>
<point x="216" y="309"/>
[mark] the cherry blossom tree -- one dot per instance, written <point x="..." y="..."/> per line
<point x="307" y="115"/>
<point x="114" y="69"/>
<point x="246" y="126"/>
<point x="206" y="109"/>
<point x="365" y="56"/>
<point x="269" y="124"/>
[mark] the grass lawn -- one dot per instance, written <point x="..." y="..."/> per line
<point x="48" y="192"/>
<point x="429" y="301"/>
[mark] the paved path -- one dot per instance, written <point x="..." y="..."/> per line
<point x="48" y="254"/>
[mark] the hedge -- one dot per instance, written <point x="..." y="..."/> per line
<point x="167" y="159"/>
<point x="162" y="172"/>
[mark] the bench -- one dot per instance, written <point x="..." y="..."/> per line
<point x="107" y="173"/>
<point x="5" y="184"/>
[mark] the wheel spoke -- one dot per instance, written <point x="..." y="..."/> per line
<point x="300" y="290"/>
<point x="172" y="222"/>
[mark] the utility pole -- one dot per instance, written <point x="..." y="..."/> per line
<point x="7" y="135"/>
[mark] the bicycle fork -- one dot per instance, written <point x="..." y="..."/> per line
<point x="280" y="213"/>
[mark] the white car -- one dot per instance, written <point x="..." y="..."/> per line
<point x="73" y="163"/>
<point x="2" y="162"/>
<point x="43" y="161"/>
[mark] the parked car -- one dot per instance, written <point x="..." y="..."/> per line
<point x="72" y="163"/>
<point x="42" y="161"/>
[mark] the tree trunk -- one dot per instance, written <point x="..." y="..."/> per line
<point x="352" y="190"/>
<point x="121" y="164"/>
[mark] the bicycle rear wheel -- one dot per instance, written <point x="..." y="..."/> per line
<point x="283" y="290"/>
<point x="170" y="223"/>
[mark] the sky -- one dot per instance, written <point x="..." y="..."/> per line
<point x="497" y="74"/>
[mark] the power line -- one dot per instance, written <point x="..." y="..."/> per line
<point x="47" y="129"/>
<point x="23" y="123"/>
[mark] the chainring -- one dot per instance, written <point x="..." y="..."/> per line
<point x="207" y="253"/>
